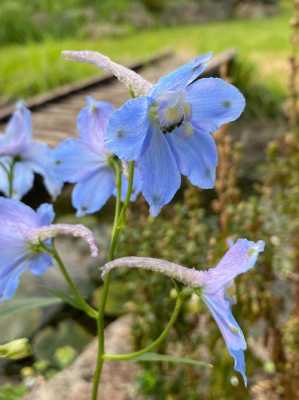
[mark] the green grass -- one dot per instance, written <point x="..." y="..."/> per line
<point x="26" y="70"/>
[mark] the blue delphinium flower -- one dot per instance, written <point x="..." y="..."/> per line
<point x="214" y="283"/>
<point x="240" y="258"/>
<point x="25" y="157"/>
<point x="23" y="232"/>
<point x="87" y="162"/>
<point x="168" y="131"/>
<point x="16" y="253"/>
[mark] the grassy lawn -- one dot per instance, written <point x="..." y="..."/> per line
<point x="35" y="68"/>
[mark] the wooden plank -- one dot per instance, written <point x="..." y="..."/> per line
<point x="76" y="88"/>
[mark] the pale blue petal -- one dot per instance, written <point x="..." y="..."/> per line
<point x="45" y="214"/>
<point x="159" y="172"/>
<point x="76" y="160"/>
<point x="92" y="193"/>
<point x="15" y="219"/>
<point x="23" y="178"/>
<point x="18" y="133"/>
<point x="239" y="258"/>
<point x="41" y="159"/>
<point x="196" y="154"/>
<point x="10" y="283"/>
<point x="92" y="123"/>
<point x="182" y="76"/>
<point x="220" y="308"/>
<point x="17" y="213"/>
<point x="53" y="183"/>
<point x="12" y="246"/>
<point x="214" y="102"/>
<point x="39" y="264"/>
<point x="128" y="129"/>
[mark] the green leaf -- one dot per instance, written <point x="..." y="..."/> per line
<point x="24" y="304"/>
<point x="156" y="357"/>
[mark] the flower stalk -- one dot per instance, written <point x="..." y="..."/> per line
<point x="118" y="225"/>
<point x="91" y="312"/>
<point x="155" y="343"/>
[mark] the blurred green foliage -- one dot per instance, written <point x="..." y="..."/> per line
<point x="12" y="392"/>
<point x="263" y="42"/>
<point x="22" y="20"/>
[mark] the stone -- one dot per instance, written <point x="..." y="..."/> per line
<point x="75" y="382"/>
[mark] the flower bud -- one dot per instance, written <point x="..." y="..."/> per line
<point x="15" y="350"/>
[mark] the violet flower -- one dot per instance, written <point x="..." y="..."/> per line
<point x="214" y="283"/>
<point x="86" y="162"/>
<point x="26" y="157"/>
<point x="23" y="234"/>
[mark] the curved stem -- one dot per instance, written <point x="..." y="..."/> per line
<point x="155" y="343"/>
<point x="84" y="305"/>
<point x="118" y="224"/>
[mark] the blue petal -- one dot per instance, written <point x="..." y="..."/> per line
<point x="76" y="160"/>
<point x="46" y="214"/>
<point x="9" y="283"/>
<point x="220" y="308"/>
<point x="159" y="172"/>
<point x="196" y="154"/>
<point x="214" y="102"/>
<point x="18" y="133"/>
<point x="39" y="264"/>
<point x="241" y="257"/>
<point x="23" y="178"/>
<point x="182" y="76"/>
<point x="92" y="193"/>
<point x="40" y="158"/>
<point x="238" y="259"/>
<point x="128" y="129"/>
<point x="92" y="122"/>
<point x="14" y="211"/>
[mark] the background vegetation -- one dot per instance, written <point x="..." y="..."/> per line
<point x="254" y="199"/>
<point x="26" y="70"/>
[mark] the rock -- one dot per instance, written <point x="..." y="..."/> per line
<point x="75" y="382"/>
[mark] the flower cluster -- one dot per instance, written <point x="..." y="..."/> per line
<point x="166" y="131"/>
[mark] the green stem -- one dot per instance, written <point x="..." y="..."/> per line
<point x="3" y="166"/>
<point x="84" y="305"/>
<point x="10" y="176"/>
<point x="155" y="343"/>
<point x="118" y="224"/>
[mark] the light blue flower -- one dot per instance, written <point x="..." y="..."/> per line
<point x="87" y="162"/>
<point x="168" y="131"/>
<point x="23" y="234"/>
<point x="240" y="258"/>
<point x="27" y="157"/>
<point x="213" y="284"/>
<point x="16" y="253"/>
